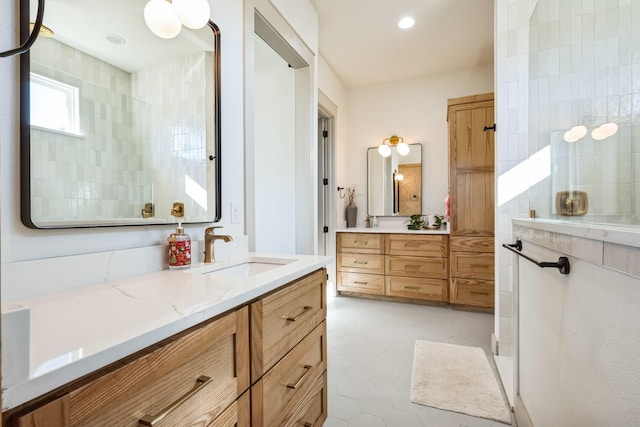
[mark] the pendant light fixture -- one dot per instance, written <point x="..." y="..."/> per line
<point x="166" y="19"/>
<point x="394" y="141"/>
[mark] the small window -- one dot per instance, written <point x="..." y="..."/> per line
<point x="54" y="105"/>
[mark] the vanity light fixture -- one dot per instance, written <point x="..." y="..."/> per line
<point x="394" y="141"/>
<point x="604" y="131"/>
<point x="166" y="19"/>
<point x="575" y="133"/>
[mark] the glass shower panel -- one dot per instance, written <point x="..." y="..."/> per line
<point x="584" y="111"/>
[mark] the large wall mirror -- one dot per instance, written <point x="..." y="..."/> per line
<point x="394" y="182"/>
<point x="117" y="124"/>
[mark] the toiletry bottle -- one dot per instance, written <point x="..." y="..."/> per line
<point x="374" y="222"/>
<point x="179" y="249"/>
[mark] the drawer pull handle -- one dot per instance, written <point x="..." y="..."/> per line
<point x="414" y="288"/>
<point x="479" y="293"/>
<point x="294" y="318"/>
<point x="361" y="262"/>
<point x="412" y="245"/>
<point x="152" y="420"/>
<point x="413" y="266"/>
<point x="302" y="379"/>
<point x="360" y="283"/>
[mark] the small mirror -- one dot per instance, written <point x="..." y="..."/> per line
<point x="117" y="124"/>
<point x="394" y="182"/>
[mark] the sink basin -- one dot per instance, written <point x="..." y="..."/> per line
<point x="250" y="267"/>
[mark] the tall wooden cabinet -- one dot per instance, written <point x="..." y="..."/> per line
<point x="471" y="188"/>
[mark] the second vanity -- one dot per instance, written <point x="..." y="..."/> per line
<point x="240" y="342"/>
<point x="408" y="265"/>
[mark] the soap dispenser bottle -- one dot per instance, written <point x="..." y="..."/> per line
<point x="179" y="243"/>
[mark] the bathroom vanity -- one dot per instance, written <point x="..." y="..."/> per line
<point x="242" y="342"/>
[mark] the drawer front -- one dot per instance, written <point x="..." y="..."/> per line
<point x="361" y="263"/>
<point x="472" y="244"/>
<point x="362" y="283"/>
<point x="282" y="388"/>
<point x="360" y="243"/>
<point x="198" y="376"/>
<point x="281" y="320"/>
<point x="236" y="415"/>
<point x="418" y="245"/>
<point x="311" y="410"/>
<point x="472" y="265"/>
<point x="478" y="293"/>
<point x="411" y="287"/>
<point x="406" y="266"/>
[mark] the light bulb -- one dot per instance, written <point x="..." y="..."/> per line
<point x="403" y="148"/>
<point x="406" y="22"/>
<point x="609" y="129"/>
<point x="399" y="177"/>
<point x="384" y="150"/>
<point x="192" y="13"/>
<point x="575" y="133"/>
<point x="161" y="19"/>
<point x="599" y="134"/>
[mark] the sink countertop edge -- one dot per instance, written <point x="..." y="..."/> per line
<point x="144" y="309"/>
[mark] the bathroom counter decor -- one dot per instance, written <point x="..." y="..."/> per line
<point x="76" y="332"/>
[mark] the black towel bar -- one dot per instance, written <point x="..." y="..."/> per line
<point x="562" y="264"/>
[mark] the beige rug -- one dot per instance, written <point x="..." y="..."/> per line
<point x="456" y="378"/>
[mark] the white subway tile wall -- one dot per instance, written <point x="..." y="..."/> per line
<point x="111" y="170"/>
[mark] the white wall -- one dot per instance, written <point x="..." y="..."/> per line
<point x="415" y="109"/>
<point x="275" y="152"/>
<point x="579" y="341"/>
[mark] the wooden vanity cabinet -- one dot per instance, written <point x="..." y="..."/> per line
<point x="394" y="265"/>
<point x="191" y="381"/>
<point x="270" y="370"/>
<point x="289" y="355"/>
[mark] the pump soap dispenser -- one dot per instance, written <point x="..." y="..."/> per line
<point x="179" y="242"/>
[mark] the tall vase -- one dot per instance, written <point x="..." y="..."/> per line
<point x="352" y="214"/>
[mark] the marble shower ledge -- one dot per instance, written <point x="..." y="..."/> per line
<point x="78" y="331"/>
<point x="611" y="246"/>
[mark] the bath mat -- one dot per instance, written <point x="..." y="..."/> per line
<point x="456" y="378"/>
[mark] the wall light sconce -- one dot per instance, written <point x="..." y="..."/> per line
<point x="166" y="19"/>
<point x="394" y="141"/>
<point x="600" y="133"/>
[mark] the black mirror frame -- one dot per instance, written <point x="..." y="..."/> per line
<point x="25" y="132"/>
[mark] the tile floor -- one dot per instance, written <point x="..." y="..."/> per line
<point x="370" y="355"/>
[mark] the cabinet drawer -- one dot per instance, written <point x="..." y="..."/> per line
<point x="311" y="410"/>
<point x="362" y="283"/>
<point x="478" y="293"/>
<point x="407" y="266"/>
<point x="210" y="365"/>
<point x="411" y="287"/>
<point x="281" y="320"/>
<point x="361" y="263"/>
<point x="280" y="390"/>
<point x="472" y="265"/>
<point x="236" y="415"/>
<point x="472" y="244"/>
<point x="417" y="245"/>
<point x="361" y="243"/>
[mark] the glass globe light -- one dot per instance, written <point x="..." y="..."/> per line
<point x="403" y="148"/>
<point x="193" y="14"/>
<point x="384" y="150"/>
<point x="161" y="19"/>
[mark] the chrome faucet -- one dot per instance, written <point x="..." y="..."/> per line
<point x="209" y="240"/>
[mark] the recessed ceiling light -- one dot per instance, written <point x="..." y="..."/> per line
<point x="406" y="22"/>
<point x="115" y="39"/>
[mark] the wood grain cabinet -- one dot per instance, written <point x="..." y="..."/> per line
<point x="191" y="381"/>
<point x="471" y="187"/>
<point x="289" y="355"/>
<point x="231" y="371"/>
<point x="394" y="266"/>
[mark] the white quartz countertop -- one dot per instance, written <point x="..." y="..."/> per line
<point x="75" y="332"/>
<point x="392" y="230"/>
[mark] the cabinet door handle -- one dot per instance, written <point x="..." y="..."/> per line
<point x="296" y="317"/>
<point x="360" y="283"/>
<point x="415" y="288"/>
<point x="152" y="420"/>
<point x="412" y="245"/>
<point x="413" y="266"/>
<point x="361" y="262"/>
<point x="302" y="379"/>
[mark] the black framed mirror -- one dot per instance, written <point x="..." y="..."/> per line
<point x="117" y="124"/>
<point x="394" y="182"/>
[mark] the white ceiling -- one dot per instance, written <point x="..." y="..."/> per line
<point x="361" y="42"/>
